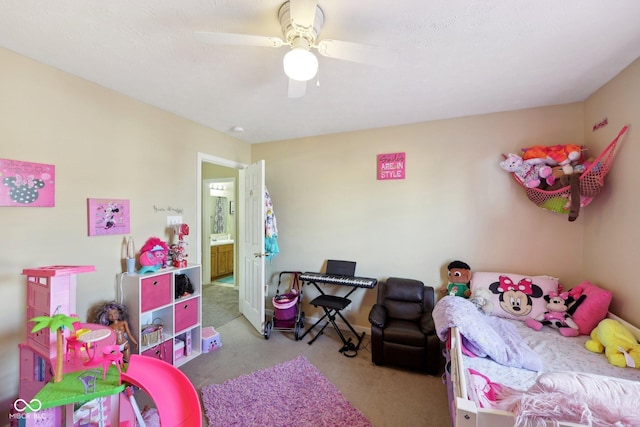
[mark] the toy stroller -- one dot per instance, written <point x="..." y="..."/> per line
<point x="287" y="315"/>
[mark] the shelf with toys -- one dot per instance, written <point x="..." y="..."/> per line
<point x="167" y="323"/>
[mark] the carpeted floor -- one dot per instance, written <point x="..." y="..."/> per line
<point x="293" y="393"/>
<point x="387" y="396"/>
<point x="219" y="305"/>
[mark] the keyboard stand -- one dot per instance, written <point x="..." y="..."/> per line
<point x="332" y="306"/>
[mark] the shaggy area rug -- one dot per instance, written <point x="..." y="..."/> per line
<point x="293" y="393"/>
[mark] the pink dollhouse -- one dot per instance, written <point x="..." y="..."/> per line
<point x="88" y="395"/>
<point x="52" y="290"/>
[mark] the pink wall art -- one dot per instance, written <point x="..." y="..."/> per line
<point x="391" y="166"/>
<point x="27" y="184"/>
<point x="108" y="216"/>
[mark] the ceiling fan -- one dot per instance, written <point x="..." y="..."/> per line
<point x="301" y="22"/>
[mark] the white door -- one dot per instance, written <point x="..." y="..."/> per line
<point x="253" y="282"/>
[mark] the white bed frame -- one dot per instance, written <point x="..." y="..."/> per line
<point x="464" y="411"/>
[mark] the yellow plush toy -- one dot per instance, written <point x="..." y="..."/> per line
<point x="617" y="342"/>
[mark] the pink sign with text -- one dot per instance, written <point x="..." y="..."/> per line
<point x="391" y="166"/>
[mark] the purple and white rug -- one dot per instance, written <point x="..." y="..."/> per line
<point x="293" y="393"/>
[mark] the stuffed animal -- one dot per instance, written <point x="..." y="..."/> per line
<point x="530" y="175"/>
<point x="153" y="255"/>
<point x="564" y="154"/>
<point x="538" y="154"/>
<point x="556" y="315"/>
<point x="459" y="275"/>
<point x="552" y="155"/>
<point x="617" y="342"/>
<point x="481" y="297"/>
<point x="567" y="176"/>
<point x="560" y="177"/>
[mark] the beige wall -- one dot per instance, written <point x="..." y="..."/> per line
<point x="454" y="203"/>
<point x="611" y="224"/>
<point x="102" y="145"/>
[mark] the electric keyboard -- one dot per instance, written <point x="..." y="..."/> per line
<point x="359" y="282"/>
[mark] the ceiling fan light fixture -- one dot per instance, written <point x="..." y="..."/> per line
<point x="300" y="64"/>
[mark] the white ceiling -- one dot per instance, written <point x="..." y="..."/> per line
<point x="455" y="57"/>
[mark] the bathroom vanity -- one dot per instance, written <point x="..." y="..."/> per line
<point x="221" y="258"/>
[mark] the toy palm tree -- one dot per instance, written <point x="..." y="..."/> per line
<point x="56" y="323"/>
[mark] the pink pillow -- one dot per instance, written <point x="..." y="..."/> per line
<point x="591" y="306"/>
<point x="515" y="296"/>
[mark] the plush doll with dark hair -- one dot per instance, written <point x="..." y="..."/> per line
<point x="459" y="278"/>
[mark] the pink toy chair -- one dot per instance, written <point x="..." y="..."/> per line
<point x="112" y="354"/>
<point x="74" y="344"/>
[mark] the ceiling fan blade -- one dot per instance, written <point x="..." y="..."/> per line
<point x="231" y="39"/>
<point x="303" y="12"/>
<point x="355" y="52"/>
<point x="297" y="88"/>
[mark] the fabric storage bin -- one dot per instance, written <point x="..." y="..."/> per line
<point x="186" y="313"/>
<point x="162" y="351"/>
<point x="156" y="291"/>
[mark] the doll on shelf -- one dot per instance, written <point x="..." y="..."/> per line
<point x="116" y="317"/>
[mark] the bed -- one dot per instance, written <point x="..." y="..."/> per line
<point x="522" y="368"/>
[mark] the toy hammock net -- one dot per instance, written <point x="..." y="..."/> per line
<point x="591" y="182"/>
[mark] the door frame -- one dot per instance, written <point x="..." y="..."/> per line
<point x="207" y="158"/>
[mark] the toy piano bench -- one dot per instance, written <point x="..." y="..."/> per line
<point x="331" y="301"/>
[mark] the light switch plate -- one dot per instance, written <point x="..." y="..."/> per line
<point x="174" y="220"/>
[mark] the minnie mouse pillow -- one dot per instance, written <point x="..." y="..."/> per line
<point x="515" y="296"/>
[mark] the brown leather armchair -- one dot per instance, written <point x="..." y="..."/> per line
<point x="402" y="329"/>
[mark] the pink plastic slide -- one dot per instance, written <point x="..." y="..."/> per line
<point x="174" y="395"/>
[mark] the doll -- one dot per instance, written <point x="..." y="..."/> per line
<point x="459" y="278"/>
<point x="116" y="317"/>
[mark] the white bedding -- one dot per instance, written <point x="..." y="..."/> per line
<point x="558" y="354"/>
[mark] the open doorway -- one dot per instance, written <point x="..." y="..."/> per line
<point x="249" y="255"/>
<point x="217" y="239"/>
<point x="219" y="227"/>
